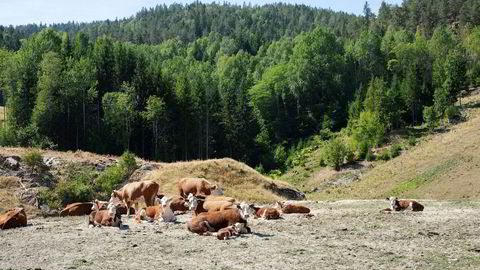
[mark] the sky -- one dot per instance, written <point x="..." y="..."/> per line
<point x="18" y="12"/>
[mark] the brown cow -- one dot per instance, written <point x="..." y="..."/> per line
<point x="163" y="210"/>
<point x="290" y="208"/>
<point x="77" y="209"/>
<point x="219" y="198"/>
<point x="132" y="192"/>
<point x="195" y="186"/>
<point x="401" y="205"/>
<point x="13" y="218"/>
<point x="107" y="217"/>
<point x="179" y="204"/>
<point x="220" y="219"/>
<point x="199" y="204"/>
<point x="266" y="213"/>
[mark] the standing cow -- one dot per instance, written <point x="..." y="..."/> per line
<point x="133" y="192"/>
<point x="195" y="186"/>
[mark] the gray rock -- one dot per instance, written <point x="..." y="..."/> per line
<point x="289" y="193"/>
<point x="12" y="163"/>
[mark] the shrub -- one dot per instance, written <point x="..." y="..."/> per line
<point x="259" y="168"/>
<point x="430" y="116"/>
<point x="349" y="155"/>
<point x="452" y="113"/>
<point x="110" y="178"/>
<point x="34" y="160"/>
<point x="50" y="198"/>
<point x="370" y="156"/>
<point x="335" y="153"/>
<point x="369" y="128"/>
<point x="128" y="162"/>
<point x="362" y="149"/>
<point x="280" y="156"/>
<point x="395" y="150"/>
<point x="412" y="141"/>
<point x="275" y="174"/>
<point x="385" y="155"/>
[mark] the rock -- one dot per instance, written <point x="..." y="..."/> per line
<point x="12" y="163"/>
<point x="146" y="167"/>
<point x="288" y="193"/>
<point x="29" y="196"/>
<point x="52" y="162"/>
<point x="316" y="189"/>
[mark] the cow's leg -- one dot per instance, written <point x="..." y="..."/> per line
<point x="127" y="204"/>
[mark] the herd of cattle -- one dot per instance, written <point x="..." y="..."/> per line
<point x="217" y="214"/>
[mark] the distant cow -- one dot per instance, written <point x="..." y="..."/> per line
<point x="107" y="217"/>
<point x="195" y="186"/>
<point x="220" y="219"/>
<point x="290" y="208"/>
<point x="266" y="213"/>
<point x="132" y="192"/>
<point x="77" y="209"/>
<point x="13" y="218"/>
<point x="401" y="205"/>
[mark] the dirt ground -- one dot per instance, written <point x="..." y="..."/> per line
<point x="341" y="235"/>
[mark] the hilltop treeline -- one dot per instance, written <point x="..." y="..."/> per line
<point x="202" y="81"/>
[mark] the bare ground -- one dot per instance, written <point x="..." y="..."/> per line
<point x="341" y="235"/>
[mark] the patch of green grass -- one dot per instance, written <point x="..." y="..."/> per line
<point x="424" y="178"/>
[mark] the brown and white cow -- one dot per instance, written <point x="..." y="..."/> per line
<point x="291" y="209"/>
<point x="162" y="210"/>
<point x="230" y="231"/>
<point x="266" y="213"/>
<point x="107" y="217"/>
<point x="77" y="209"/>
<point x="220" y="219"/>
<point x="195" y="186"/>
<point x="13" y="218"/>
<point x="133" y="192"/>
<point x="401" y="205"/>
<point x="200" y="204"/>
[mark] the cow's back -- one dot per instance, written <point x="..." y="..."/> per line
<point x="77" y="209"/>
<point x="13" y="218"/>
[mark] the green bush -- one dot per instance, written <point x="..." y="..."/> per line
<point x="395" y="150"/>
<point x="430" y="116"/>
<point x="128" y="162"/>
<point x="362" y="149"/>
<point x="452" y="113"/>
<point x="110" y="179"/>
<point x="74" y="191"/>
<point x="50" y="198"/>
<point x="349" y="155"/>
<point x="335" y="153"/>
<point x="412" y="141"/>
<point x="259" y="168"/>
<point x="34" y="160"/>
<point x="385" y="155"/>
<point x="280" y="156"/>
<point x="275" y="174"/>
<point x="370" y="156"/>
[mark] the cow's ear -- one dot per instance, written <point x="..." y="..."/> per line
<point x="251" y="205"/>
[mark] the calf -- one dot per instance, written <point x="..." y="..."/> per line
<point x="107" y="217"/>
<point x="290" y="208"/>
<point x="220" y="219"/>
<point x="163" y="210"/>
<point x="230" y="231"/>
<point x="266" y="213"/>
<point x="13" y="218"/>
<point x="132" y="192"/>
<point x="401" y="205"/>
<point x="195" y="186"/>
<point x="77" y="209"/>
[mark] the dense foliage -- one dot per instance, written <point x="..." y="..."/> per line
<point x="248" y="82"/>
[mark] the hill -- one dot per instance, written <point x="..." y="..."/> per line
<point x="442" y="165"/>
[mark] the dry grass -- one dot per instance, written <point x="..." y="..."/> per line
<point x="443" y="166"/>
<point x="239" y="180"/>
<point x="9" y="186"/>
<point x="2" y="113"/>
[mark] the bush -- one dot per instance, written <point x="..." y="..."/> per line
<point x="260" y="169"/>
<point x="370" y="156"/>
<point x="412" y="141"/>
<point x="430" y="116"/>
<point x="335" y="153"/>
<point x="385" y="155"/>
<point x="128" y="162"/>
<point x="395" y="150"/>
<point x="452" y="113"/>
<point x="110" y="179"/>
<point x="275" y="174"/>
<point x="362" y="149"/>
<point x="34" y="160"/>
<point x="280" y="156"/>
<point x="349" y="155"/>
<point x="50" y="198"/>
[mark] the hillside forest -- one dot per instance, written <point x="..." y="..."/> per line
<point x="254" y="83"/>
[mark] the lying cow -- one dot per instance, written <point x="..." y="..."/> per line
<point x="195" y="186"/>
<point x="266" y="213"/>
<point x="162" y="210"/>
<point x="214" y="221"/>
<point x="290" y="208"/>
<point x="230" y="231"/>
<point x="107" y="217"/>
<point x="77" y="209"/>
<point x="13" y="218"/>
<point x="200" y="204"/>
<point x="133" y="192"/>
<point x="401" y="205"/>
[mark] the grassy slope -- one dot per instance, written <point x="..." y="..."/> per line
<point x="442" y="166"/>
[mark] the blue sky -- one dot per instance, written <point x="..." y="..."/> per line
<point x="17" y="12"/>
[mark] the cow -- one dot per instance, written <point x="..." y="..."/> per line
<point x="401" y="205"/>
<point x="219" y="198"/>
<point x="214" y="221"/>
<point x="162" y="210"/>
<point x="13" y="218"/>
<point x="195" y="186"/>
<point x="266" y="213"/>
<point x="132" y="192"/>
<point x="107" y="217"/>
<point x="200" y="204"/>
<point x="77" y="209"/>
<point x="179" y="204"/>
<point x="290" y="208"/>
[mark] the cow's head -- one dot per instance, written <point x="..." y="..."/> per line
<point x="393" y="202"/>
<point x="112" y="209"/>
<point x="165" y="200"/>
<point x="245" y="210"/>
<point x="192" y="202"/>
<point x="278" y="205"/>
<point x="114" y="197"/>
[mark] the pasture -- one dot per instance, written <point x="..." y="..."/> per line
<point x="341" y="235"/>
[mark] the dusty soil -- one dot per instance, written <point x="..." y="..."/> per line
<point x="341" y="235"/>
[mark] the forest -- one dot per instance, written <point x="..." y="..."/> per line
<point x="253" y="83"/>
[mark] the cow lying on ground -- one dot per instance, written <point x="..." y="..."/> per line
<point x="266" y="213"/>
<point x="214" y="221"/>
<point x="163" y="210"/>
<point x="133" y="192"/>
<point x="121" y="208"/>
<point x="200" y="204"/>
<point x="195" y="186"/>
<point x="230" y="231"/>
<point x="179" y="204"/>
<point x="77" y="209"/>
<point x="107" y="217"/>
<point x="13" y="218"/>
<point x="401" y="205"/>
<point x="290" y="208"/>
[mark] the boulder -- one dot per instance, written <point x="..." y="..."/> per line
<point x="12" y="163"/>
